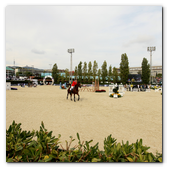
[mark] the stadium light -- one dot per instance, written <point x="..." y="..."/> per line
<point x="70" y="51"/>
<point x="151" y="49"/>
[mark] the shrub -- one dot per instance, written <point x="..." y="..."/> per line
<point x="111" y="95"/>
<point x="100" y="91"/>
<point x="22" y="147"/>
<point x="119" y="95"/>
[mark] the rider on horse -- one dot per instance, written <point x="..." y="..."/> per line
<point x="73" y="84"/>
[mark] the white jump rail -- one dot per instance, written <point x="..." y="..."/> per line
<point x="111" y="87"/>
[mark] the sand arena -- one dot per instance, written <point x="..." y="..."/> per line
<point x="134" y="116"/>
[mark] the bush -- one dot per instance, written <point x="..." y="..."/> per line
<point x="119" y="95"/>
<point x="100" y="91"/>
<point x="41" y="146"/>
<point x="111" y="95"/>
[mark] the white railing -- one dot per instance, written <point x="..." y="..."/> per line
<point x="135" y="89"/>
<point x="148" y="90"/>
<point x="8" y="85"/>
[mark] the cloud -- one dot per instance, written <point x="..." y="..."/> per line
<point x="37" y="51"/>
<point x="8" y="49"/>
<point x="142" y="39"/>
<point x="104" y="33"/>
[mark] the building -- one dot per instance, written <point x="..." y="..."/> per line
<point x="138" y="70"/>
<point x="34" y="71"/>
<point x="9" y="72"/>
<point x="12" y="70"/>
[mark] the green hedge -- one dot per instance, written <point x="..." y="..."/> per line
<point x="41" y="146"/>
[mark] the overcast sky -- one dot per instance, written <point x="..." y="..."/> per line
<point x="41" y="35"/>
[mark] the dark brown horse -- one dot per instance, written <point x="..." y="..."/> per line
<point x="74" y="91"/>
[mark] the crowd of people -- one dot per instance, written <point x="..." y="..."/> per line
<point x="142" y="87"/>
<point x="16" y="78"/>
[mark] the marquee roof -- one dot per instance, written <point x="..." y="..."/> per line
<point x="10" y="69"/>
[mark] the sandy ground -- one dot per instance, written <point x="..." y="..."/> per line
<point x="134" y="116"/>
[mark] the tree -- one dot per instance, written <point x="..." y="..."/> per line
<point x="76" y="72"/>
<point x="62" y="78"/>
<point x="55" y="73"/>
<point x="124" y="68"/>
<point x="84" y="72"/>
<point x="18" y="73"/>
<point x="104" y="71"/>
<point x="99" y="74"/>
<point x="28" y="74"/>
<point x="115" y="75"/>
<point x="159" y="75"/>
<point x="110" y="74"/>
<point x="67" y="74"/>
<point x="145" y="71"/>
<point x="44" y="73"/>
<point x="89" y="73"/>
<point x="139" y="72"/>
<point x="80" y="71"/>
<point x="95" y="66"/>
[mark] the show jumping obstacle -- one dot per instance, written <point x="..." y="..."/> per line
<point x="8" y="85"/>
<point x="91" y="88"/>
<point x="121" y="89"/>
<point x="48" y="76"/>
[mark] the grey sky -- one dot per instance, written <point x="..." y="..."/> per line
<point x="41" y="35"/>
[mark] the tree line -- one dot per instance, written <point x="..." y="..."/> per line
<point x="87" y="73"/>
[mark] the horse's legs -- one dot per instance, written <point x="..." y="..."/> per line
<point x="74" y="97"/>
<point x="71" y="96"/>
<point x="67" y="94"/>
<point x="78" y="96"/>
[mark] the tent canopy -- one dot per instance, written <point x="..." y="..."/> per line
<point x="10" y="69"/>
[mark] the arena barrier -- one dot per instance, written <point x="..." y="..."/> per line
<point x="135" y="89"/>
<point x="157" y="90"/>
<point x="148" y="90"/>
<point x="8" y="85"/>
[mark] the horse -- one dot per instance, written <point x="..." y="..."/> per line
<point x="74" y="91"/>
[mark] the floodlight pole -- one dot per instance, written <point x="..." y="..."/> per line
<point x="151" y="49"/>
<point x="71" y="51"/>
